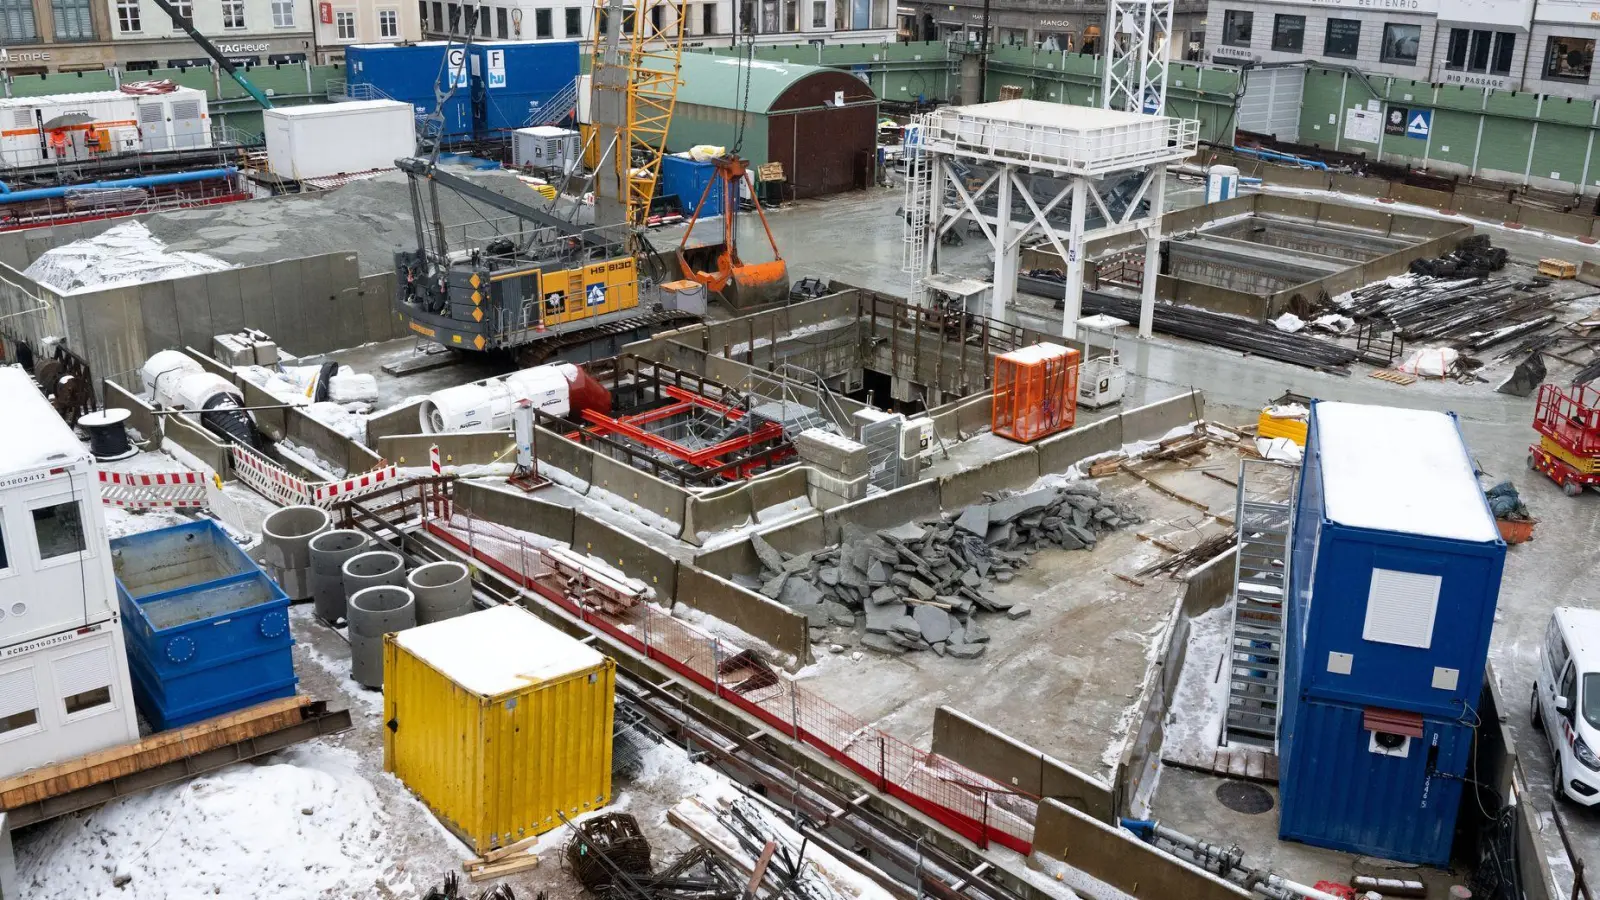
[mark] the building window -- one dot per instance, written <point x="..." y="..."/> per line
<point x="282" y="13"/>
<point x="708" y="19"/>
<point x="543" y="28"/>
<point x="483" y="21"/>
<point x="19" y="702"/>
<point x="127" y="16"/>
<point x="628" y="21"/>
<point x="1569" y="59"/>
<point x="185" y="10"/>
<point x="454" y="19"/>
<point x="655" y="20"/>
<point x="5" y="561"/>
<point x="87" y="700"/>
<point x="388" y="23"/>
<point x="1236" y="26"/>
<point x="344" y="24"/>
<point x="500" y="27"/>
<point x="232" y="13"/>
<point x="17" y="24"/>
<point x="72" y="20"/>
<point x="574" y="22"/>
<point x="1343" y="38"/>
<point x="58" y="529"/>
<point x="1289" y="33"/>
<point x="1400" y="43"/>
<point x="1488" y="52"/>
<point x="84" y="680"/>
<point x="819" y="14"/>
<point x="438" y="20"/>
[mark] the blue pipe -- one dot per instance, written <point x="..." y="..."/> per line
<point x="1281" y="157"/>
<point x="1144" y="828"/>
<point x="4" y="188"/>
<point x="10" y="196"/>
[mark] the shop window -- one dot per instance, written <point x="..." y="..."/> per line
<point x="59" y="530"/>
<point x="72" y="20"/>
<point x="1471" y="50"/>
<point x="1343" y="38"/>
<point x="1400" y="44"/>
<point x="708" y="19"/>
<point x="1289" y="33"/>
<point x="500" y="28"/>
<point x="1236" y="27"/>
<point x="1569" y="59"/>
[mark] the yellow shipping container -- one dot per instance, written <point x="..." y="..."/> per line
<point x="497" y="721"/>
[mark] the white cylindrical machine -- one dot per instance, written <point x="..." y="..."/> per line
<point x="1222" y="183"/>
<point x="555" y="390"/>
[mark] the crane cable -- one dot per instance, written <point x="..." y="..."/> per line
<point x="747" y="67"/>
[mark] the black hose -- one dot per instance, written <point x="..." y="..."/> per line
<point x="324" y="375"/>
<point x="222" y="415"/>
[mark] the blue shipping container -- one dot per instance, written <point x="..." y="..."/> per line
<point x="1395" y="565"/>
<point x="687" y="179"/>
<point x="515" y="80"/>
<point x="408" y="73"/>
<point x="208" y="632"/>
<point x="1340" y="788"/>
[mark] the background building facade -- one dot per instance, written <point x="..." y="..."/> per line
<point x="250" y="32"/>
<point x="340" y="23"/>
<point x="707" y="24"/>
<point x="1544" y="47"/>
<point x="1073" y="26"/>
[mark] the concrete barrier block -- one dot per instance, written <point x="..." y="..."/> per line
<point x="1552" y="222"/>
<point x="1207" y="586"/>
<point x="1310" y="179"/>
<point x="558" y="452"/>
<point x="458" y="448"/>
<point x="1118" y="858"/>
<point x="639" y="488"/>
<point x="776" y="625"/>
<point x="988" y="752"/>
<point x="1013" y="470"/>
<point x="1155" y="419"/>
<point x="707" y="514"/>
<point x="634" y="557"/>
<point x="140" y="416"/>
<point x="1359" y="186"/>
<point x="516" y="510"/>
<point x="1060" y="452"/>
<point x="403" y="419"/>
<point x="884" y="510"/>
<point x="1488" y="210"/>
<point x="199" y="442"/>
<point x="1405" y="193"/>
<point x="780" y="494"/>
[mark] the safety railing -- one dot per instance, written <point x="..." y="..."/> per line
<point x="970" y="804"/>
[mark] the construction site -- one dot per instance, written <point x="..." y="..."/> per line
<point x="604" y="511"/>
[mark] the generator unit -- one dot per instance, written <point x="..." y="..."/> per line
<point x="58" y="127"/>
<point x="545" y="147"/>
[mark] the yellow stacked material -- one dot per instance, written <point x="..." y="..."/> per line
<point x="1585" y="464"/>
<point x="546" y="191"/>
<point x="498" y="722"/>
<point x="1557" y="268"/>
<point x="1283" y="422"/>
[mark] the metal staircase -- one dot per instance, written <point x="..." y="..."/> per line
<point x="556" y="110"/>
<point x="918" y="207"/>
<point x="1260" y="580"/>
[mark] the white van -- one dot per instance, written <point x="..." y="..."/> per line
<point x="1566" y="701"/>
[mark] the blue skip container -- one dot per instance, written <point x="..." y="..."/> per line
<point x="207" y="630"/>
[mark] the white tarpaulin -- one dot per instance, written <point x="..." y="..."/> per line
<point x="121" y="255"/>
<point x="1431" y="362"/>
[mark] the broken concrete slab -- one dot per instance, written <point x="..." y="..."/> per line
<point x="921" y="589"/>
<point x="975" y="634"/>
<point x="907" y="533"/>
<point x="1019" y="611"/>
<point x="798" y="592"/>
<point x="906" y="641"/>
<point x="829" y="575"/>
<point x="999" y="534"/>
<point x="938" y="648"/>
<point x="877" y="572"/>
<point x="816" y="615"/>
<point x="1022" y="504"/>
<point x="797" y="564"/>
<point x="933" y="622"/>
<point x="882" y="645"/>
<point x="974" y="520"/>
<point x="966" y="651"/>
<point x="882" y="616"/>
<point x="768" y="554"/>
<point x="885" y="594"/>
<point x="774" y="586"/>
<point x="839" y="614"/>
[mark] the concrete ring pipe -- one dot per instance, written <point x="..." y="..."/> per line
<point x="286" y="547"/>
<point x="330" y="550"/>
<point x="443" y="591"/>
<point x="375" y="612"/>
<point x="374" y="568"/>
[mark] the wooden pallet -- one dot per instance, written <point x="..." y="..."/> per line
<point x="1557" y="268"/>
<point x="1393" y="377"/>
<point x="1248" y="763"/>
<point x="158" y="749"/>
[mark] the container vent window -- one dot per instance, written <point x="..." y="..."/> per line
<point x="150" y="115"/>
<point x="22" y="118"/>
<point x="1401" y="607"/>
<point x="186" y="109"/>
<point x="83" y="680"/>
<point x="19" y="703"/>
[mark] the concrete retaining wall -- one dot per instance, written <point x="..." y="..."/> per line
<point x="640" y="488"/>
<point x="1016" y="469"/>
<point x="195" y="439"/>
<point x="459" y="448"/>
<point x="1116" y="857"/>
<point x="1152" y="420"/>
<point x="777" y="625"/>
<point x="884" y="510"/>
<point x="557" y="451"/>
<point x="1141" y="757"/>
<point x="1207" y="586"/>
<point x="140" y="418"/>
<point x="1061" y="451"/>
<point x="1011" y="762"/>
<point x="398" y="420"/>
<point x="627" y="553"/>
<point x="516" y="510"/>
<point x="718" y="510"/>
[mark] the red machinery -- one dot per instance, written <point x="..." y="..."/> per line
<point x="1568" y="420"/>
<point x="633" y="427"/>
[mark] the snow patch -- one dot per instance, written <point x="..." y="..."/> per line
<point x="1194" y="722"/>
<point x="121" y="255"/>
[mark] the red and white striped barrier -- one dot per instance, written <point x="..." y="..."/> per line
<point x="325" y="494"/>
<point x="153" y="490"/>
<point x="434" y="464"/>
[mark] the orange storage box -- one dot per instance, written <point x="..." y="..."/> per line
<point x="1035" y="392"/>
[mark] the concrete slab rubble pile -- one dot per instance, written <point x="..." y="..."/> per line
<point x="921" y="585"/>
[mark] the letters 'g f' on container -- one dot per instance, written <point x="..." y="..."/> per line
<point x="498" y="722"/>
<point x="1035" y="392"/>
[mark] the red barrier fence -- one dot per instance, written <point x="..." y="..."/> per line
<point x="976" y="807"/>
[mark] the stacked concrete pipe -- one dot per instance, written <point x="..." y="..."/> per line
<point x="286" y="547"/>
<point x="374" y="568"/>
<point x="375" y="612"/>
<point x="443" y="591"/>
<point x="330" y="550"/>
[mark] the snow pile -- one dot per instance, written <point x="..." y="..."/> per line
<point x="301" y="825"/>
<point x="121" y="255"/>
<point x="1279" y="449"/>
<point x="1289" y="323"/>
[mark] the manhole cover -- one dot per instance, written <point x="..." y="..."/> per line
<point x="1244" y="797"/>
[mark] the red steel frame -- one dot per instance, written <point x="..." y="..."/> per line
<point x="840" y="736"/>
<point x="1570" y="417"/>
<point x="706" y="457"/>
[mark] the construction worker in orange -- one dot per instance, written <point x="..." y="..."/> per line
<point x="58" y="143"/>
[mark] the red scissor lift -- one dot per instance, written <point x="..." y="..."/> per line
<point x="1568" y="421"/>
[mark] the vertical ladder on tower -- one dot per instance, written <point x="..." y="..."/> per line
<point x="919" y="207"/>
<point x="1260" y="585"/>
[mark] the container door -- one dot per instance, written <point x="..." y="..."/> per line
<point x="188" y="128"/>
<point x="153" y="127"/>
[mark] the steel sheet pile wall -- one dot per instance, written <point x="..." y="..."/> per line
<point x="1395" y="570"/>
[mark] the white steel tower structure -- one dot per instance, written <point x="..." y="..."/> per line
<point x="1137" y="39"/>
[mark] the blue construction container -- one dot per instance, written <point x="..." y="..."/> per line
<point x="1395" y="565"/>
<point x="687" y="179"/>
<point x="1340" y="788"/>
<point x="408" y="73"/>
<point x="513" y="81"/>
<point x="207" y="630"/>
